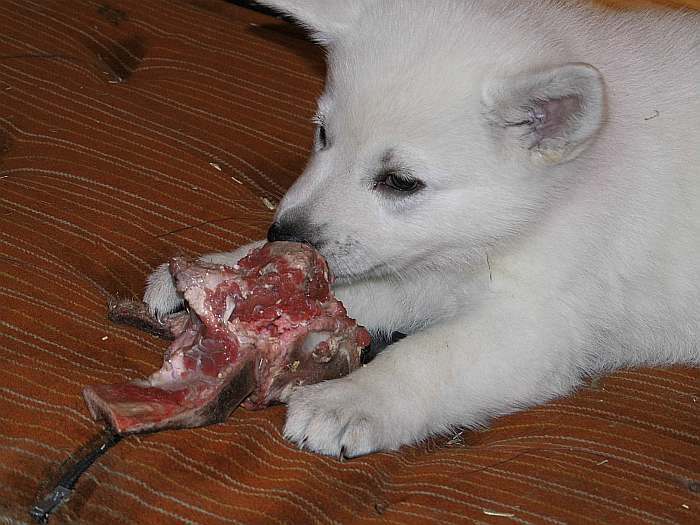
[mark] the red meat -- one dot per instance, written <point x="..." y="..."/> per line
<point x="255" y="331"/>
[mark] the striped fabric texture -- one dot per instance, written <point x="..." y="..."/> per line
<point x="132" y="131"/>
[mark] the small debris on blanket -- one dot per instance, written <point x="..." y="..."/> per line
<point x="215" y="165"/>
<point x="500" y="514"/>
<point x="270" y="205"/>
<point x="234" y="179"/>
<point x="457" y="439"/>
<point x="105" y="337"/>
<point x="653" y="115"/>
<point x="601" y="463"/>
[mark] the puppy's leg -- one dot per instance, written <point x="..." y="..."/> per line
<point x="457" y="373"/>
<point x="161" y="296"/>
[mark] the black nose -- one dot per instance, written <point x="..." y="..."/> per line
<point x="285" y="231"/>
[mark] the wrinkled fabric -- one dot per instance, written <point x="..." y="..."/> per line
<point x="134" y="131"/>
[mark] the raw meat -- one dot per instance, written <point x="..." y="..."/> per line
<point x="255" y="331"/>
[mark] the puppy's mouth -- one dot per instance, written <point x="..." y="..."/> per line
<point x="345" y="274"/>
<point x="347" y="262"/>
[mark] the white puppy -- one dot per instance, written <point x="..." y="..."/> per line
<point x="514" y="184"/>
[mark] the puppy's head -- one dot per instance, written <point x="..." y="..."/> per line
<point x="445" y="129"/>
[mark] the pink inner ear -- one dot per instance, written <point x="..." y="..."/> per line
<point x="552" y="117"/>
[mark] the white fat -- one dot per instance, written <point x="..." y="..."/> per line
<point x="313" y="339"/>
<point x="268" y="268"/>
<point x="213" y="279"/>
<point x="230" y="307"/>
<point x="196" y="298"/>
<point x="169" y="373"/>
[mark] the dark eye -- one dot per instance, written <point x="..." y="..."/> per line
<point x="401" y="183"/>
<point x="321" y="138"/>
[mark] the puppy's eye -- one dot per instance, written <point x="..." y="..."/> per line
<point x="321" y="137"/>
<point x="400" y="183"/>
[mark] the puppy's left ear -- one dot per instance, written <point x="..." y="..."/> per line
<point x="552" y="115"/>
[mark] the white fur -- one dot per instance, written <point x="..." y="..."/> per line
<point x="525" y="263"/>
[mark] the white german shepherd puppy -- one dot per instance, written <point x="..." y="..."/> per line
<point x="514" y="184"/>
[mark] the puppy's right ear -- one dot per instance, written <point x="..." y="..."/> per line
<point x="326" y="19"/>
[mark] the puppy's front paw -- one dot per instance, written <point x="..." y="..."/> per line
<point x="160" y="295"/>
<point x="337" y="418"/>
